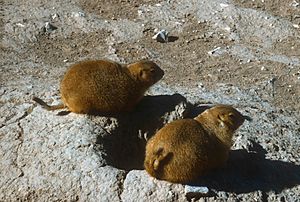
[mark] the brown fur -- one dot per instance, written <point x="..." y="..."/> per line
<point x="185" y="149"/>
<point x="105" y="86"/>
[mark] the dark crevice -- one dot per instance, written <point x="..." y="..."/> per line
<point x="15" y="161"/>
<point x="121" y="185"/>
<point x="21" y="138"/>
<point x="26" y="113"/>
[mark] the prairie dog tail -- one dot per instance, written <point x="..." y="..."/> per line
<point x="46" y="106"/>
<point x="155" y="162"/>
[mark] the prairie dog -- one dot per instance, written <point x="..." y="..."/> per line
<point x="104" y="86"/>
<point x="185" y="149"/>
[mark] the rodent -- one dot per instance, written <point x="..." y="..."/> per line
<point x="186" y="149"/>
<point x="103" y="86"/>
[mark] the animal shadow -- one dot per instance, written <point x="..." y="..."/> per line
<point x="125" y="148"/>
<point x="249" y="171"/>
<point x="172" y="38"/>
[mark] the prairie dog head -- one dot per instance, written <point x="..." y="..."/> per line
<point x="146" y="71"/>
<point x="223" y="117"/>
<point x="224" y="120"/>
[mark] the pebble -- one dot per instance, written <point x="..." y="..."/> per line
<point x="296" y="26"/>
<point x="161" y="36"/>
<point x="295" y="4"/>
<point x="193" y="191"/>
<point x="213" y="51"/>
<point x="49" y="27"/>
<point x="140" y="12"/>
<point x="223" y="5"/>
<point x="20" y="25"/>
<point x="78" y="14"/>
<point x="54" y="16"/>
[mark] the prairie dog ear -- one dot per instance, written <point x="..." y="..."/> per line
<point x="145" y="75"/>
<point x="156" y="164"/>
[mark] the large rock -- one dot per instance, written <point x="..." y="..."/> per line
<point x="45" y="157"/>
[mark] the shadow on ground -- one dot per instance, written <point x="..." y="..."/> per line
<point x="125" y="148"/>
<point x="246" y="170"/>
<point x="249" y="171"/>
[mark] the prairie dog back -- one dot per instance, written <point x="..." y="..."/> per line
<point x="105" y="86"/>
<point x="185" y="149"/>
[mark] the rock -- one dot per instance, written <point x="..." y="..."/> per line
<point x="161" y="36"/>
<point x="45" y="157"/>
<point x="195" y="191"/>
<point x="213" y="51"/>
<point x="139" y="186"/>
<point x="49" y="27"/>
<point x="58" y="155"/>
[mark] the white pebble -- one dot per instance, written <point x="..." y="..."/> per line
<point x="213" y="51"/>
<point x="296" y="26"/>
<point x="224" y="5"/>
<point x="195" y="190"/>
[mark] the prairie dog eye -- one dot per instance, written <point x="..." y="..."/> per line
<point x="231" y="115"/>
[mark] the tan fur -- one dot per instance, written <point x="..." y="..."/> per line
<point x="105" y="86"/>
<point x="185" y="149"/>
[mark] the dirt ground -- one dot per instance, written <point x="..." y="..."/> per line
<point x="186" y="59"/>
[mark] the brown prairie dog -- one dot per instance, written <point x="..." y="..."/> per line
<point x="185" y="149"/>
<point x="103" y="86"/>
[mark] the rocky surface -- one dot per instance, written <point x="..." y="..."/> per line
<point x="244" y="53"/>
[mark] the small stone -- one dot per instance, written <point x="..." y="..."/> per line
<point x="296" y="26"/>
<point x="78" y="14"/>
<point x="295" y="4"/>
<point x="140" y="12"/>
<point x="20" y="25"/>
<point x="223" y="194"/>
<point x="49" y="27"/>
<point x="161" y="36"/>
<point x="195" y="191"/>
<point x="224" y="5"/>
<point x="227" y="29"/>
<point x="81" y="14"/>
<point x="213" y="51"/>
<point x="200" y="85"/>
<point x="54" y="16"/>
